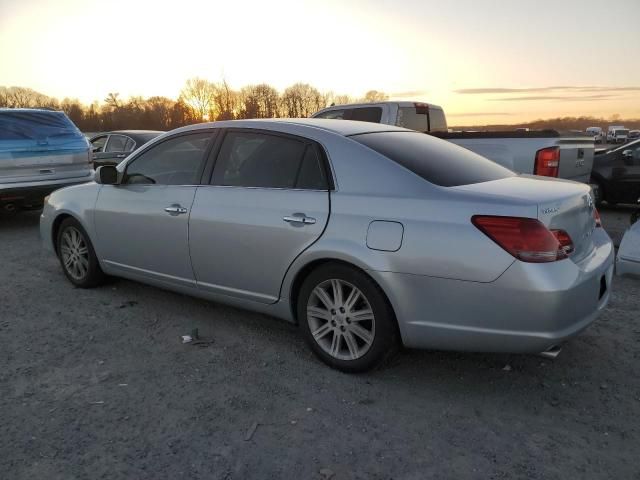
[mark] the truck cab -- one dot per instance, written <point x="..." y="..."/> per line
<point x="420" y="116"/>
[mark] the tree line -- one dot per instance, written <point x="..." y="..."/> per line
<point x="200" y="100"/>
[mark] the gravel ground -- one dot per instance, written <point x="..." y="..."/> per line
<point x="97" y="384"/>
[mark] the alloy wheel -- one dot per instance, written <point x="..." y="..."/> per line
<point x="75" y="253"/>
<point x="341" y="319"/>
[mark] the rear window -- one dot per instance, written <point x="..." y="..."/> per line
<point x="437" y="161"/>
<point x="36" y="125"/>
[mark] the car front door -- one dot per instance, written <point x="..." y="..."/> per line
<point x="142" y="222"/>
<point x="267" y="202"/>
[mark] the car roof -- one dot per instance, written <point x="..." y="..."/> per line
<point x="373" y="104"/>
<point x="340" y="127"/>
<point x="31" y="110"/>
<point x="138" y="132"/>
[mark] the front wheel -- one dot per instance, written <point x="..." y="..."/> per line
<point x="346" y="319"/>
<point x="77" y="257"/>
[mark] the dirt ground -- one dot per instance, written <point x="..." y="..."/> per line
<point x="96" y="384"/>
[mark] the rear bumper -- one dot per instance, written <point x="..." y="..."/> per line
<point x="530" y="308"/>
<point x="33" y="193"/>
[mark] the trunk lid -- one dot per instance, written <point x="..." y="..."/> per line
<point x="561" y="205"/>
<point x="576" y="158"/>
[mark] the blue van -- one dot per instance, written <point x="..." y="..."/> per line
<point x="40" y="151"/>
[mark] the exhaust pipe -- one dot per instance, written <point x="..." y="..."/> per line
<point x="551" y="352"/>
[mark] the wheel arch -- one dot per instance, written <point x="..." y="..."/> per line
<point x="57" y="222"/>
<point x="303" y="272"/>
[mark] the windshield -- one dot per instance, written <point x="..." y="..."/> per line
<point x="619" y="133"/>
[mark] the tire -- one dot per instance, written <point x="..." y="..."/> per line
<point x="72" y="242"/>
<point x="338" y="339"/>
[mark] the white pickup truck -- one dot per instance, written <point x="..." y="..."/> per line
<point x="545" y="152"/>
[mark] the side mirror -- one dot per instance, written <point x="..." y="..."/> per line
<point x="627" y="153"/>
<point x="106" y="175"/>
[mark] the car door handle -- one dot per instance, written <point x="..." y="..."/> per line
<point x="175" y="210"/>
<point x="121" y="155"/>
<point x="299" y="218"/>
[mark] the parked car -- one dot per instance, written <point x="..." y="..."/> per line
<point x="633" y="134"/>
<point x="111" y="147"/>
<point x="40" y="151"/>
<point x="365" y="235"/>
<point x="547" y="153"/>
<point x="616" y="174"/>
<point x="628" y="259"/>
<point x="617" y="134"/>
<point x="597" y="133"/>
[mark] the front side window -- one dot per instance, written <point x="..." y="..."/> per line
<point x="176" y="161"/>
<point x="117" y="143"/>
<point x="249" y="159"/>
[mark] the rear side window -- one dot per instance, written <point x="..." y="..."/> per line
<point x="367" y="114"/>
<point x="435" y="160"/>
<point x="117" y="143"/>
<point x="422" y="118"/>
<point x="36" y="125"/>
<point x="361" y="114"/>
<point x="249" y="159"/>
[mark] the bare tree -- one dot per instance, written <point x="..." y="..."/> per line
<point x="301" y="100"/>
<point x="73" y="109"/>
<point x="375" y="96"/>
<point x="227" y="102"/>
<point x="199" y="94"/>
<point x="112" y="100"/>
<point x="259" y="101"/>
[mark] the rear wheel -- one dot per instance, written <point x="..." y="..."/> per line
<point x="77" y="257"/>
<point x="346" y="319"/>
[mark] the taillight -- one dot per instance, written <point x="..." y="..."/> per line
<point x="566" y="244"/>
<point x="596" y="217"/>
<point x="547" y="162"/>
<point x="527" y="239"/>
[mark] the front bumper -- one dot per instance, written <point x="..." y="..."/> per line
<point x="528" y="309"/>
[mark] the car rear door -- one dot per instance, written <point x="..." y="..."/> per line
<point x="142" y="223"/>
<point x="116" y="149"/>
<point x="268" y="200"/>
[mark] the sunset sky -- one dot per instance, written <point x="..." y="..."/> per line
<point x="484" y="61"/>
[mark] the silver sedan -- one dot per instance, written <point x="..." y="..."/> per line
<point x="367" y="236"/>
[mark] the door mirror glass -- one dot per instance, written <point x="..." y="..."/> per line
<point x="106" y="175"/>
<point x="627" y="153"/>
